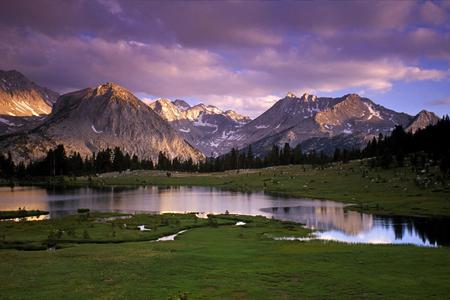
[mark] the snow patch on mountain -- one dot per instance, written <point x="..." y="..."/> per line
<point x="95" y="130"/>
<point x="213" y="109"/>
<point x="373" y="112"/>
<point x="25" y="108"/>
<point x="202" y="123"/>
<point x="213" y="144"/>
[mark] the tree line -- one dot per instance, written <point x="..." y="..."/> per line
<point x="58" y="163"/>
<point x="430" y="145"/>
<point x="277" y="156"/>
<point x="426" y="147"/>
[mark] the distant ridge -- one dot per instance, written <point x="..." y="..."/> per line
<point x="322" y="123"/>
<point x="201" y="124"/>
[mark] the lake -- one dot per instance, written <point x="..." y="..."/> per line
<point x="329" y="217"/>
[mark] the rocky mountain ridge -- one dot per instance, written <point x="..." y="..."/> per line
<point x="200" y="124"/>
<point x="323" y="122"/>
<point x="21" y="97"/>
<point x="91" y="119"/>
<point x="317" y="123"/>
<point x="23" y="103"/>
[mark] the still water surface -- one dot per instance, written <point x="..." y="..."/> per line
<point x="329" y="217"/>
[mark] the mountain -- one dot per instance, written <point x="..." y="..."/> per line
<point x="96" y="118"/>
<point x="422" y="120"/>
<point x="201" y="125"/>
<point x="21" y="97"/>
<point x="181" y="104"/>
<point x="22" y="102"/>
<point x="320" y="124"/>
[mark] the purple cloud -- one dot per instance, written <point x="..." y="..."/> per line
<point x="441" y="102"/>
<point x="239" y="55"/>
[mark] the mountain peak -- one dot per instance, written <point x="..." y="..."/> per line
<point x="164" y="100"/>
<point x="12" y="72"/>
<point x="110" y="87"/>
<point x="15" y="79"/>
<point x="181" y="104"/>
<point x="109" y="115"/>
<point x="308" y="97"/>
<point x="213" y="109"/>
<point x="425" y="112"/>
<point x="236" y="116"/>
<point x="422" y="120"/>
<point x="352" y="95"/>
<point x="19" y="96"/>
<point x="291" y="95"/>
<point x="116" y="93"/>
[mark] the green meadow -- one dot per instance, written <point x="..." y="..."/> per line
<point x="213" y="259"/>
<point x="106" y="256"/>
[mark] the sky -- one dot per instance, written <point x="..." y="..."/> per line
<point x="241" y="55"/>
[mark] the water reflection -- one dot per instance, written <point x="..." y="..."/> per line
<point x="333" y="221"/>
<point x="324" y="215"/>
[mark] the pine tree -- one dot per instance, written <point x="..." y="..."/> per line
<point x="337" y="156"/>
<point x="250" y="157"/>
<point x="298" y="155"/>
<point x="286" y="154"/>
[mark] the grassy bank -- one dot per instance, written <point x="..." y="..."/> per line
<point x="21" y="213"/>
<point x="97" y="228"/>
<point x="218" y="261"/>
<point x="398" y="191"/>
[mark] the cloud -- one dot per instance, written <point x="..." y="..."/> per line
<point x="112" y="5"/>
<point x="444" y="101"/>
<point x="251" y="85"/>
<point x="250" y="106"/>
<point x="241" y="55"/>
<point x="433" y="13"/>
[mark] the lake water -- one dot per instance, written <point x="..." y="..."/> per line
<point x="329" y="217"/>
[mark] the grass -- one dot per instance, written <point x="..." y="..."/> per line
<point x="219" y="262"/>
<point x="101" y="228"/>
<point x="398" y="191"/>
<point x="21" y="213"/>
<point x="100" y="257"/>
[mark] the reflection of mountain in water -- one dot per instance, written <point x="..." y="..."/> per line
<point x="325" y="218"/>
<point x="435" y="231"/>
<point x="328" y="216"/>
